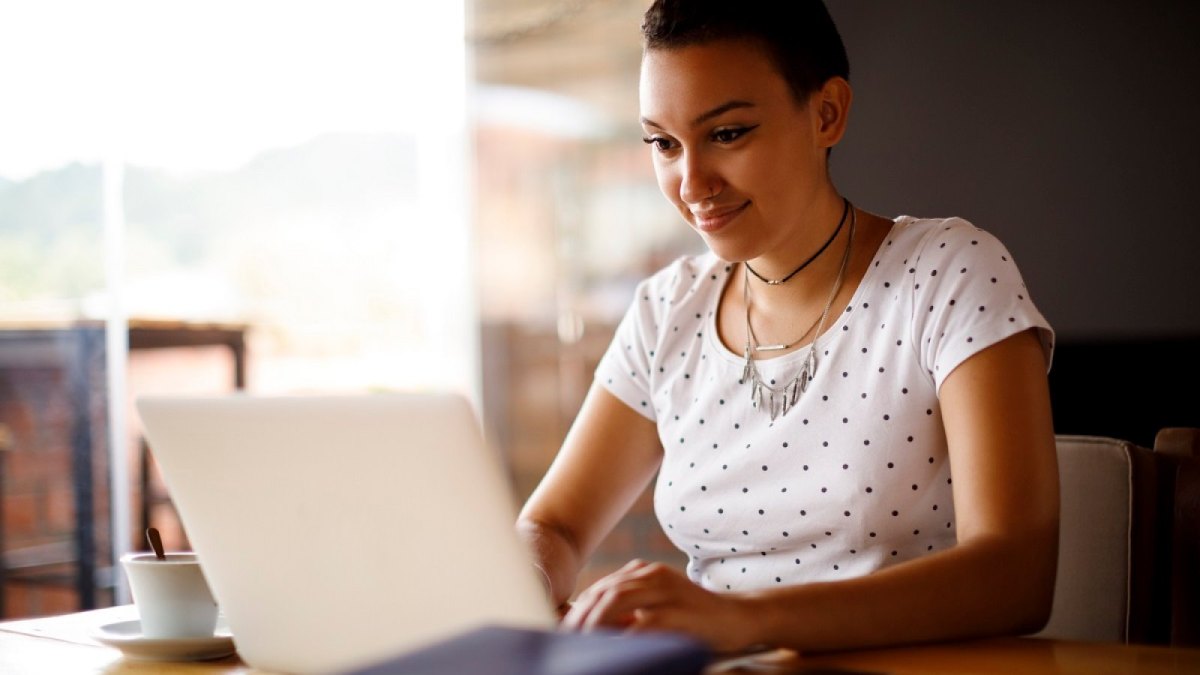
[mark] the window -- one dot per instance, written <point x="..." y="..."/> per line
<point x="175" y="178"/>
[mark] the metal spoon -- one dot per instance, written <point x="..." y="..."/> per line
<point x="155" y="543"/>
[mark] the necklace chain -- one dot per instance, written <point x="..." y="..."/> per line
<point x="778" y="401"/>
<point x="781" y="346"/>
<point x="811" y="258"/>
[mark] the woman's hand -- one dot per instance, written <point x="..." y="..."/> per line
<point x="652" y="596"/>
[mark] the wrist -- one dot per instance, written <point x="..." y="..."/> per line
<point x="754" y="620"/>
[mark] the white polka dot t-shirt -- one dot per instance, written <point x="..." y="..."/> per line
<point x="856" y="476"/>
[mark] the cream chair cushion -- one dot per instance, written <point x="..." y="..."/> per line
<point x="1096" y="520"/>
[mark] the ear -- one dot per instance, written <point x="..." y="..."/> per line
<point x="832" y="107"/>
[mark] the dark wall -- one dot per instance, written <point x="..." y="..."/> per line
<point x="1070" y="130"/>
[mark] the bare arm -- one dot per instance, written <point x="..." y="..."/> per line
<point x="998" y="579"/>
<point x="607" y="459"/>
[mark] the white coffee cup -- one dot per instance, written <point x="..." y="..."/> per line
<point x="172" y="597"/>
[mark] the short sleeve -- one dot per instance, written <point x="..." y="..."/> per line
<point x="968" y="294"/>
<point x="625" y="368"/>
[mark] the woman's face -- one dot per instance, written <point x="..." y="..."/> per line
<point x="738" y="156"/>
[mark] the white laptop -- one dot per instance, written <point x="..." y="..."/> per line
<point x="338" y="531"/>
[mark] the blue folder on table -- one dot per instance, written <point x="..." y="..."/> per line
<point x="496" y="650"/>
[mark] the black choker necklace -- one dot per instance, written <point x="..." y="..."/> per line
<point x="776" y="282"/>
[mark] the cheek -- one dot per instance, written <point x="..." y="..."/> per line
<point x="778" y="182"/>
<point x="668" y="181"/>
<point x="752" y="172"/>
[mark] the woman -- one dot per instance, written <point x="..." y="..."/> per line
<point x="804" y="390"/>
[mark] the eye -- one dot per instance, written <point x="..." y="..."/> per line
<point x="726" y="135"/>
<point x="660" y="143"/>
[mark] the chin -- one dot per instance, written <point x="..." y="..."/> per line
<point x="729" y="251"/>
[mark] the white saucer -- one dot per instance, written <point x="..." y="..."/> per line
<point x="127" y="636"/>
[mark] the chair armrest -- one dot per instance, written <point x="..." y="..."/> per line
<point x="1178" y="442"/>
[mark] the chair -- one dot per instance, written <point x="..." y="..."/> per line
<point x="1178" y="449"/>
<point x="1178" y="442"/>
<point x="1107" y="543"/>
<point x="40" y="565"/>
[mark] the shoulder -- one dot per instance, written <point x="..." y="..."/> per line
<point x="684" y="276"/>
<point x="931" y="242"/>
<point x="689" y="270"/>
<point x="685" y="287"/>
<point x="967" y="292"/>
<point x="937" y="249"/>
<point x="919" y="231"/>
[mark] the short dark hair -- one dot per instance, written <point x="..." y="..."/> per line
<point x="799" y="35"/>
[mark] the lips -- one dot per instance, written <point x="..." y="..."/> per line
<point x="712" y="220"/>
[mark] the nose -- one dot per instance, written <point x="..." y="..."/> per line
<point x="698" y="181"/>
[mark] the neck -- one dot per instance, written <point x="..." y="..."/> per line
<point x="809" y="260"/>
<point x="804" y="240"/>
<point x="811" y="281"/>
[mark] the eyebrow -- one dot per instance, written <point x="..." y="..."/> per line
<point x="706" y="116"/>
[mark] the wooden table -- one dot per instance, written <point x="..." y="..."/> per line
<point x="61" y="645"/>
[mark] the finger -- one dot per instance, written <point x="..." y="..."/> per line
<point x="644" y="618"/>
<point x="573" y="617"/>
<point x="616" y="607"/>
<point x="570" y="619"/>
<point x="577" y="613"/>
<point x="634" y="564"/>
<point x="583" y="607"/>
<point x="658" y="570"/>
<point x="584" y="614"/>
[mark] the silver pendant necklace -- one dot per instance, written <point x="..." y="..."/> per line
<point x="778" y="401"/>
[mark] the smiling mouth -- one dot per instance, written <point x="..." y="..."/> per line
<point x="715" y="220"/>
